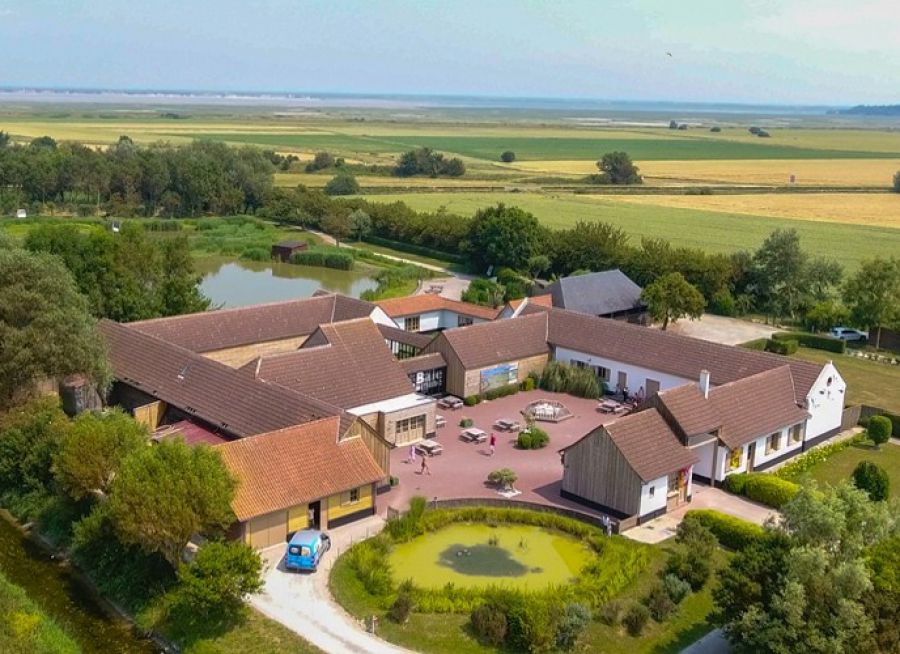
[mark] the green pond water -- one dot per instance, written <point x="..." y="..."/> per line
<point x="63" y="597"/>
<point x="235" y="283"/>
<point x="524" y="557"/>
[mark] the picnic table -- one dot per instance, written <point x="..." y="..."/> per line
<point x="450" y="402"/>
<point x="608" y="406"/>
<point x="429" y="447"/>
<point x="440" y="421"/>
<point x="505" y="424"/>
<point x="474" y="435"/>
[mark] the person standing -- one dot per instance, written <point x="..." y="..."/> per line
<point x="412" y="454"/>
<point x="493" y="443"/>
<point x="425" y="470"/>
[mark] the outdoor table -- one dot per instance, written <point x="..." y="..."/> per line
<point x="506" y="424"/>
<point x="440" y="421"/>
<point x="608" y="407"/>
<point x="450" y="402"/>
<point x="429" y="447"/>
<point x="474" y="435"/>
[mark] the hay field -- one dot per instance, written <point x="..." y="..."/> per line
<point x="875" y="209"/>
<point x="714" y="231"/>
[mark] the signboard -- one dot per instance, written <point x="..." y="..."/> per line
<point x="499" y="376"/>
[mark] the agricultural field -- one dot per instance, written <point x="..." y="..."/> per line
<point x="715" y="231"/>
<point x="868" y="382"/>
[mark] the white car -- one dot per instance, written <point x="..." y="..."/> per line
<point x="848" y="334"/>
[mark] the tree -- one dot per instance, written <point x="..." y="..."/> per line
<point x="165" y="494"/>
<point x="484" y="291"/>
<point x="537" y="264"/>
<point x="321" y="161"/>
<point x="343" y="183"/>
<point x="778" y="267"/>
<point x="879" y="430"/>
<point x="5" y="139"/>
<point x="897" y="182"/>
<point x="503" y="236"/>
<point x="825" y="315"/>
<point x="338" y="224"/>
<point x="671" y="297"/>
<point x="873" y="479"/>
<point x="883" y="600"/>
<point x="873" y="295"/>
<point x="507" y="156"/>
<point x="360" y="224"/>
<point x="673" y="124"/>
<point x="46" y="331"/>
<point x="216" y="582"/>
<point x="617" y="168"/>
<point x="92" y="451"/>
<point x="425" y="161"/>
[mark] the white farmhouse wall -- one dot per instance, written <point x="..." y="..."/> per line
<point x="379" y="317"/>
<point x="825" y="402"/>
<point x="430" y="321"/>
<point x="637" y="376"/>
<point x="760" y="457"/>
<point x="658" y="501"/>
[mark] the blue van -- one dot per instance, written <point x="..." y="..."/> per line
<point x="305" y="550"/>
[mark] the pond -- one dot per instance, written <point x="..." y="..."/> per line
<point x="60" y="594"/>
<point x="477" y="555"/>
<point x="234" y="283"/>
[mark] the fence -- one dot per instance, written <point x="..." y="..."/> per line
<point x="852" y="415"/>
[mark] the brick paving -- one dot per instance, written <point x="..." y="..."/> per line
<point x="462" y="470"/>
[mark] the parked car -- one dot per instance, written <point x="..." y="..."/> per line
<point x="305" y="550"/>
<point x="849" y="334"/>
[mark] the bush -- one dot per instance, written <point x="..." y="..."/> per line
<point x="534" y="439"/>
<point x="572" y="622"/>
<point x="731" y="532"/>
<point x="489" y="623"/>
<point x="610" y="612"/>
<point x="465" y="423"/>
<point x="342" y="184"/>
<point x="769" y="490"/>
<point x="324" y="258"/>
<point x="676" y="588"/>
<point x="369" y="561"/>
<point x="659" y="603"/>
<point x="736" y="483"/>
<point x="532" y="624"/>
<point x="400" y="609"/>
<point x="715" y="129"/>
<point x="256" y="254"/>
<point x="873" y="479"/>
<point x="807" y="461"/>
<point x="502" y="391"/>
<point x="561" y="377"/>
<point x="471" y="400"/>
<point x="815" y="341"/>
<point x="503" y="477"/>
<point x="758" y="344"/>
<point x="635" y="619"/>
<point x="527" y="384"/>
<point x="216" y="582"/>
<point x="879" y="430"/>
<point x="508" y="156"/>
<point x="785" y="347"/>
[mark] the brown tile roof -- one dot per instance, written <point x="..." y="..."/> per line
<point x="416" y="339"/>
<point x="675" y="354"/>
<point x="347" y="364"/>
<point x="292" y="466"/>
<point x="756" y="406"/>
<point x="225" y="328"/>
<point x="537" y="300"/>
<point x="211" y="391"/>
<point x="416" y="304"/>
<point x="423" y="362"/>
<point x="649" y="445"/>
<point x="694" y="413"/>
<point x="488" y="343"/>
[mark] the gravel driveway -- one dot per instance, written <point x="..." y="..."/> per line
<point x="719" y="329"/>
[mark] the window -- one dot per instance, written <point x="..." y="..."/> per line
<point x="651" y="491"/>
<point x="773" y="443"/>
<point x="403" y="350"/>
<point x="350" y="497"/>
<point x="411" y="324"/>
<point x="673" y="484"/>
<point x="463" y="321"/>
<point x="797" y="433"/>
<point x="354" y="495"/>
<point x="734" y="458"/>
<point x="603" y="373"/>
<point x="409" y="428"/>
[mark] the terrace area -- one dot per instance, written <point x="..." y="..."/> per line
<point x="461" y="470"/>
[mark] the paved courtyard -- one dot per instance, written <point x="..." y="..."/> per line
<point x="462" y="470"/>
<point x="720" y="329"/>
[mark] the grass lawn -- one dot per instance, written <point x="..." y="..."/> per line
<point x="417" y="258"/>
<point x="714" y="231"/>
<point x="868" y="382"/>
<point x="839" y="467"/>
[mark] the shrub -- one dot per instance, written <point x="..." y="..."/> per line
<point x="256" y="254"/>
<point x="342" y="184"/>
<point x="215" y="583"/>
<point x="610" y="612"/>
<point x="502" y="391"/>
<point x="689" y="566"/>
<point x="785" y="347"/>
<point x="503" y="477"/>
<point x="676" y="588"/>
<point x="528" y="384"/>
<point x="769" y="490"/>
<point x="809" y="460"/>
<point x="489" y="623"/>
<point x="723" y="304"/>
<point x="534" y="439"/>
<point x="659" y="603"/>
<point x="736" y="483"/>
<point x="873" y="479"/>
<point x="716" y="129"/>
<point x="815" y="341"/>
<point x="369" y="561"/>
<point x="532" y="624"/>
<point x="575" y="617"/>
<point x="401" y="608"/>
<point x="508" y="156"/>
<point x="471" y="400"/>
<point x="731" y="532"/>
<point x="465" y="423"/>
<point x="561" y="377"/>
<point x="324" y="258"/>
<point x="879" y="430"/>
<point x="635" y="619"/>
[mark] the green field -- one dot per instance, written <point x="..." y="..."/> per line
<point x="710" y="230"/>
<point x="839" y="467"/>
<point x="868" y="382"/>
<point x="543" y="148"/>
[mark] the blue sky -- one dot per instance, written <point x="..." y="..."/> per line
<point x="802" y="51"/>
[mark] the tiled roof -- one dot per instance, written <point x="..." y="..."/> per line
<point x="597" y="294"/>
<point x="539" y="300"/>
<point x="416" y="339"/>
<point x="296" y="465"/>
<point x="416" y="304"/>
<point x="225" y="328"/>
<point x="423" y="362"/>
<point x="694" y="414"/>
<point x="211" y="391"/>
<point x="649" y="445"/>
<point x="347" y="364"/>
<point x="674" y="354"/>
<point x="488" y="343"/>
<point x="756" y="406"/>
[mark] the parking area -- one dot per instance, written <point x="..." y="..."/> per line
<point x="719" y="329"/>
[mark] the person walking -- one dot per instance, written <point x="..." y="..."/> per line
<point x="493" y="443"/>
<point x="412" y="455"/>
<point x="425" y="470"/>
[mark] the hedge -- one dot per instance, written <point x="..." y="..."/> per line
<point x="805" y="462"/>
<point x="731" y="532"/>
<point x="782" y="346"/>
<point x="414" y="249"/>
<point x="815" y="341"/>
<point x="323" y="259"/>
<point x="762" y="487"/>
<point x="758" y="344"/>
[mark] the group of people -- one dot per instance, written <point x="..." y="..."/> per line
<point x="637" y="398"/>
<point x="425" y="470"/>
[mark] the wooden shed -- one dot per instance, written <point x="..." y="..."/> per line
<point x="284" y="249"/>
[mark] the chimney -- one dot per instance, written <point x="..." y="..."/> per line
<point x="704" y="383"/>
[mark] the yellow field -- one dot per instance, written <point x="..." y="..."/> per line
<point x="876" y="209"/>
<point x="293" y="179"/>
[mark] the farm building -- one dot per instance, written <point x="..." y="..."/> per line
<point x="283" y="250"/>
<point x="607" y="294"/>
<point x="431" y="313"/>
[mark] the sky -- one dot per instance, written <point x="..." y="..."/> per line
<point x="760" y="51"/>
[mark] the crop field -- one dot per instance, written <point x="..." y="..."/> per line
<point x="715" y="231"/>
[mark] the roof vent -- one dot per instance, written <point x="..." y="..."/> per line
<point x="704" y="383"/>
<point x="183" y="372"/>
